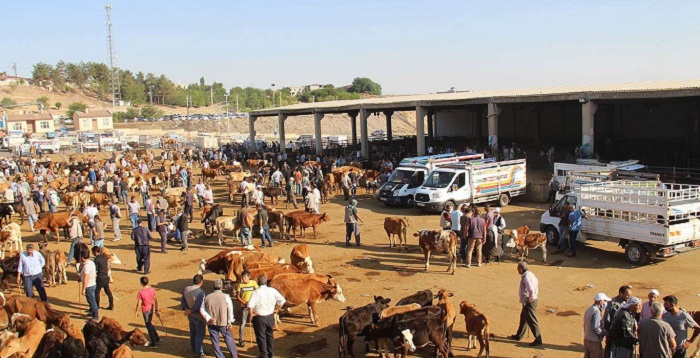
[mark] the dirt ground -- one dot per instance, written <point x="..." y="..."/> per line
<point x="376" y="269"/>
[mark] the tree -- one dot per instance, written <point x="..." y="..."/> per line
<point x="43" y="100"/>
<point x="58" y="105"/>
<point x="7" y="101"/>
<point x="75" y="107"/>
<point x="365" y="85"/>
<point x="42" y="71"/>
<point x="149" y="111"/>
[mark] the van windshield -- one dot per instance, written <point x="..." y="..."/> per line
<point x="438" y="179"/>
<point x="401" y="176"/>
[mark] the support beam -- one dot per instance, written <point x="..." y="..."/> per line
<point x="492" y="119"/>
<point x="280" y="123"/>
<point x="364" y="137"/>
<point x="431" y="126"/>
<point x="588" y="110"/>
<point x="251" y="131"/>
<point x="388" y="115"/>
<point x="353" y="124"/>
<point x="318" y="116"/>
<point x="420" y="130"/>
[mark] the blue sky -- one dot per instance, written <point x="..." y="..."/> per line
<point x="407" y="46"/>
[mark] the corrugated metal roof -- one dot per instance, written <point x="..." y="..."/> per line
<point x="634" y="87"/>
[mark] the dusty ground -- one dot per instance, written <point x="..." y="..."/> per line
<point x="377" y="269"/>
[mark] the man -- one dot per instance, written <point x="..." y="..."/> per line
<point x="623" y="332"/>
<point x="162" y="228"/>
<point x="593" y="327"/>
<point x="529" y="288"/>
<point x="245" y="221"/>
<point x="553" y="188"/>
<point x="454" y="219"/>
<point x="464" y="223"/>
<point x="98" y="232"/>
<point x="134" y="209"/>
<point x="264" y="302"/>
<point x="346" y="184"/>
<point x="75" y="232"/>
<point x="477" y="233"/>
<point x="150" y="214"/>
<point x="499" y="226"/>
<point x="148" y="302"/>
<point x="208" y="196"/>
<point x="191" y="302"/>
<point x="563" y="229"/>
<point x="31" y="264"/>
<point x="142" y="238"/>
<point x="88" y="279"/>
<point x="656" y="337"/>
<point x="90" y="212"/>
<point x="446" y="217"/>
<point x="115" y="214"/>
<point x="217" y="311"/>
<point x="124" y="190"/>
<point x="189" y="203"/>
<point x="575" y="222"/>
<point x="277" y="178"/>
<point x="245" y="194"/>
<point x="652" y="297"/>
<point x="264" y="226"/>
<point x="623" y="294"/>
<point x="680" y="321"/>
<point x="30" y="210"/>
<point x="309" y="200"/>
<point x="102" y="280"/>
<point x="351" y="225"/>
<point x="110" y="189"/>
<point x="317" y="199"/>
<point x="257" y="197"/>
<point x="184" y="229"/>
<point x="144" y="192"/>
<point x="291" y="194"/>
<point x="245" y="290"/>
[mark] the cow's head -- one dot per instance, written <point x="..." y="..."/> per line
<point x="384" y="302"/>
<point x="338" y="295"/>
<point x="202" y="267"/>
<point x="12" y="346"/>
<point x="325" y="217"/>
<point x="407" y="336"/>
<point x="466" y="308"/>
<point x="307" y="265"/>
<point x="138" y="338"/>
<point x="442" y="295"/>
<point x="114" y="260"/>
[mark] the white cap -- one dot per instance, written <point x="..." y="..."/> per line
<point x="497" y="210"/>
<point x="601" y="297"/>
<point x="654" y="291"/>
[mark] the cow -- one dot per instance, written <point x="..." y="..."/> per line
<point x="276" y="219"/>
<point x="228" y="223"/>
<point x="300" y="257"/>
<point x="178" y="191"/>
<point x="61" y="264"/>
<point x="138" y="338"/>
<point x="99" y="199"/>
<point x="392" y="311"/>
<point x="50" y="264"/>
<point x="54" y="221"/>
<point x="235" y="265"/>
<point x="423" y="298"/>
<point x="449" y="314"/>
<point x="306" y="291"/>
<point x="209" y="215"/>
<point x="11" y="235"/>
<point x="396" y="226"/>
<point x="123" y="352"/>
<point x="272" y="271"/>
<point x="305" y="220"/>
<point x="477" y="327"/>
<point x="524" y="240"/>
<point x="274" y="194"/>
<point x="100" y="343"/>
<point x="6" y="212"/>
<point x="438" y="241"/>
<point x="50" y="344"/>
<point x="174" y="202"/>
<point x="209" y="175"/>
<point x="31" y="334"/>
<point x="73" y="348"/>
<point x="10" y="267"/>
<point x="355" y="322"/>
<point x="9" y="209"/>
<point x="411" y="330"/>
<point x="219" y="262"/>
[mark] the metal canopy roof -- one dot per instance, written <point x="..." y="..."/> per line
<point x="651" y="89"/>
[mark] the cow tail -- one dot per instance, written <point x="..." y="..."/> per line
<point x="342" y="338"/>
<point x="486" y="334"/>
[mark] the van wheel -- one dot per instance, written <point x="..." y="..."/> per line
<point x="636" y="254"/>
<point x="503" y="200"/>
<point x="552" y="235"/>
<point x="410" y="202"/>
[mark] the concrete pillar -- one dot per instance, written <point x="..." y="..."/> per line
<point x="251" y="130"/>
<point x="364" y="136"/>
<point x="588" y="110"/>
<point x="280" y="123"/>
<point x="353" y="124"/>
<point x="318" y="116"/>
<point x="420" y="131"/>
<point x="431" y="126"/>
<point x="388" y="115"/>
<point x="492" y="120"/>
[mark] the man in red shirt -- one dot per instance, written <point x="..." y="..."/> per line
<point x="148" y="302"/>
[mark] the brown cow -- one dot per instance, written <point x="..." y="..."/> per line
<point x="306" y="291"/>
<point x="272" y="271"/>
<point x="396" y="226"/>
<point x="305" y="220"/>
<point x="43" y="312"/>
<point x="137" y="337"/>
<point x="327" y="279"/>
<point x="300" y="257"/>
<point x="99" y="199"/>
<point x="219" y="262"/>
<point x="449" y="314"/>
<point x="524" y="240"/>
<point x="477" y="327"/>
<point x="274" y="194"/>
<point x="50" y="264"/>
<point x="54" y="221"/>
<point x="123" y="352"/>
<point x="61" y="264"/>
<point x="209" y="173"/>
<point x="235" y="265"/>
<point x="32" y="332"/>
<point x="438" y="241"/>
<point x="392" y="311"/>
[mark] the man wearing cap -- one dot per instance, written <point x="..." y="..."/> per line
<point x="351" y="223"/>
<point x="575" y="222"/>
<point x="142" y="237"/>
<point x="653" y="296"/>
<point x="191" y="302"/>
<point x="217" y="310"/>
<point x="529" y="288"/>
<point x="623" y="333"/>
<point x="593" y="327"/>
<point x="656" y="337"/>
<point x="680" y="321"/>
<point x="623" y="294"/>
<point x="31" y="264"/>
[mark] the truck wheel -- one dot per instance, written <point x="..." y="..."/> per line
<point x="636" y="254"/>
<point x="410" y="202"/>
<point x="503" y="200"/>
<point x="450" y="202"/>
<point x="552" y="235"/>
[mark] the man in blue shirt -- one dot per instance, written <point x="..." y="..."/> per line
<point x="576" y="217"/>
<point x="31" y="264"/>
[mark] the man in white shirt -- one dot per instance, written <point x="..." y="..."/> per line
<point x="200" y="188"/>
<point x="31" y="264"/>
<point x="257" y="196"/>
<point x="264" y="302"/>
<point x="217" y="310"/>
<point x="89" y="283"/>
<point x="208" y="196"/>
<point x="277" y="178"/>
<point x="317" y="200"/>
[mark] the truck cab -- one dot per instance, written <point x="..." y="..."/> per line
<point x="401" y="186"/>
<point x="443" y="186"/>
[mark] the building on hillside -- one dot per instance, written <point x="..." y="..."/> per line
<point x="295" y="90"/>
<point x="92" y="120"/>
<point x="8" y="80"/>
<point x="313" y="86"/>
<point x="30" y="123"/>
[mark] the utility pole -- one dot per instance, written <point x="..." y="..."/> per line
<point x="150" y="93"/>
<point x="14" y="67"/>
<point x="273" y="95"/>
<point x="228" y="118"/>
<point x="211" y="95"/>
<point x="236" y="103"/>
<point x="187" y="101"/>
<point x="113" y="67"/>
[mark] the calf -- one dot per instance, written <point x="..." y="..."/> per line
<point x="396" y="226"/>
<point x="392" y="311"/>
<point x="61" y="264"/>
<point x="356" y="322"/>
<point x="100" y="343"/>
<point x="448" y="312"/>
<point x="228" y="223"/>
<point x="438" y="241"/>
<point x="412" y="330"/>
<point x="50" y="264"/>
<point x="423" y="298"/>
<point x="300" y="257"/>
<point x="276" y="219"/>
<point x="274" y="194"/>
<point x="73" y="348"/>
<point x="10" y="267"/>
<point x="306" y="291"/>
<point x="31" y="334"/>
<point x="524" y="240"/>
<point x="50" y="344"/>
<point x="306" y="220"/>
<point x="137" y="337"/>
<point x="477" y="327"/>
<point x="11" y="235"/>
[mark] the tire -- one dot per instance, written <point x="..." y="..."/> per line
<point x="636" y="254"/>
<point x="410" y="202"/>
<point x="552" y="235"/>
<point x="503" y="200"/>
<point x="449" y="202"/>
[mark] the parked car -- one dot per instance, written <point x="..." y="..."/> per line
<point x="67" y="121"/>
